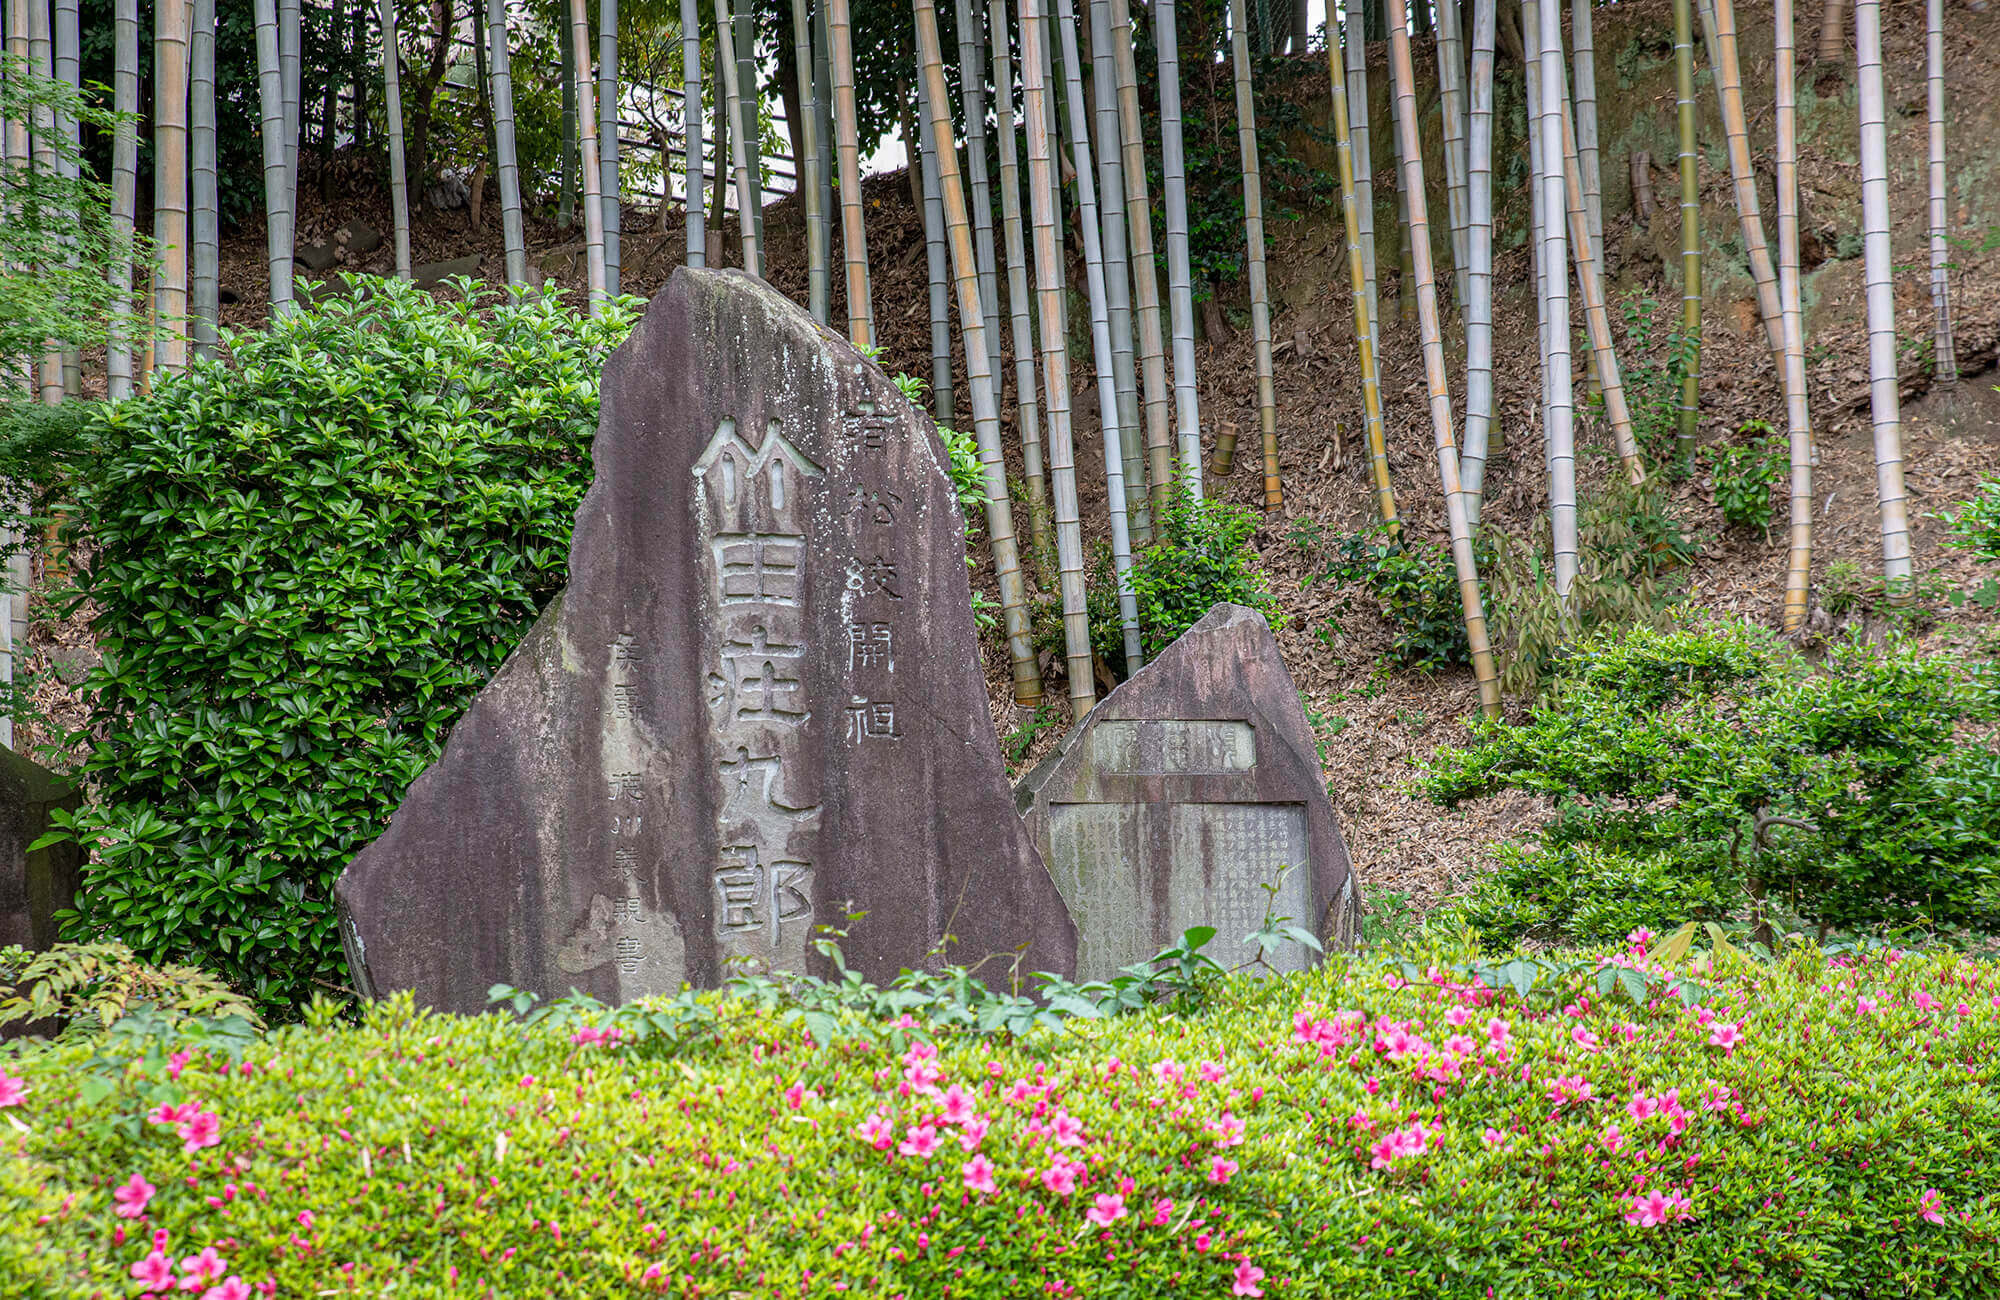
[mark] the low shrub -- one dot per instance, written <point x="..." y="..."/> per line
<point x="301" y="563"/>
<point x="1976" y="527"/>
<point x="1200" y="557"/>
<point x="1655" y="1122"/>
<point x="1583" y="893"/>
<point x="1415" y="589"/>
<point x="1743" y="475"/>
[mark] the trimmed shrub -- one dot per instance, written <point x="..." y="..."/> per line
<point x="1646" y="1123"/>
<point x="302" y="563"/>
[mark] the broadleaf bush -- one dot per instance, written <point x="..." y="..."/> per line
<point x="301" y="563"/>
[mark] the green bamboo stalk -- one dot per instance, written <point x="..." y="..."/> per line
<point x="847" y="147"/>
<point x="1180" y="275"/>
<point x="1451" y="107"/>
<point x="512" y="235"/>
<point x="1884" y="398"/>
<point x="1020" y="306"/>
<point x="124" y="191"/>
<point x="1584" y="58"/>
<point x="277" y="205"/>
<point x="170" y="176"/>
<point x="1945" y="362"/>
<point x="1690" y="341"/>
<point x="1479" y="253"/>
<point x="204" y="204"/>
<point x="1358" y="109"/>
<point x="68" y="70"/>
<point x="1145" y="268"/>
<point x="593" y="197"/>
<point x="1798" y="421"/>
<point x="1118" y="267"/>
<point x="1721" y="17"/>
<point x="749" y="124"/>
<point x="392" y="99"/>
<point x="607" y="137"/>
<point x="819" y="292"/>
<point x="1253" y="235"/>
<point x="731" y="69"/>
<point x="1371" y="387"/>
<point x="1597" y="312"/>
<point x="972" y="98"/>
<point x="695" y="174"/>
<point x="1552" y="269"/>
<point x="936" y="264"/>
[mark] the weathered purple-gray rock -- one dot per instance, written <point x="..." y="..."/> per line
<point x="33" y="886"/>
<point x="757" y="706"/>
<point x="1184" y="793"/>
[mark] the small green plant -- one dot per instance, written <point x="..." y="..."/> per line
<point x="1976" y="527"/>
<point x="1018" y="743"/>
<point x="1745" y="473"/>
<point x="1415" y="590"/>
<point x="1200" y="558"/>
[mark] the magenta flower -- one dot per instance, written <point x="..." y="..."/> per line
<point x="1925" y="1002"/>
<point x="876" y="1131"/>
<point x="1458" y="1017"/>
<point x="203" y="1130"/>
<point x="1927" y="1205"/>
<point x="1497" y="1032"/>
<point x="1163" y="1211"/>
<point x="1866" y="1005"/>
<point x="958" y="1105"/>
<point x="155" y="1271"/>
<point x="922" y="1076"/>
<point x="133" y="1197"/>
<point x="921" y="1140"/>
<point x="1656" y="1208"/>
<point x="1213" y="1071"/>
<point x="1169" y="1071"/>
<point x="1110" y="1208"/>
<point x="1228" y="1130"/>
<point x="1726" y="1036"/>
<point x="11" y="1090"/>
<point x="1413" y="1140"/>
<point x="1493" y="1137"/>
<point x="1583" y="1038"/>
<point x="978" y="1175"/>
<point x="973" y="1132"/>
<point x="200" y="1270"/>
<point x="1067" y="1129"/>
<point x="1220" y="1171"/>
<point x="1060" y="1177"/>
<point x="165" y="1114"/>
<point x="1248" y="1275"/>
<point x="233" y="1289"/>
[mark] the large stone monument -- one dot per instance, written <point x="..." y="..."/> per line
<point x="1183" y="794"/>
<point x="33" y="886"/>
<point x="757" y="707"/>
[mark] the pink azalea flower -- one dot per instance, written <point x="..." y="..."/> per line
<point x="978" y="1175"/>
<point x="1612" y="1139"/>
<point x="1925" y="1002"/>
<point x="1220" y="1171"/>
<point x="203" y="1130"/>
<point x="876" y="1131"/>
<point x="1642" y="1107"/>
<point x="958" y="1105"/>
<point x="233" y="1289"/>
<point x="165" y="1114"/>
<point x="1458" y="1017"/>
<point x="1460" y="1045"/>
<point x="1067" y="1129"/>
<point x="1583" y="1038"/>
<point x="1927" y="1205"/>
<point x="973" y="1132"/>
<point x="1726" y="1036"/>
<point x="200" y="1270"/>
<point x="1060" y="1177"/>
<point x="1656" y="1208"/>
<point x="1163" y="1212"/>
<point x="11" y="1090"/>
<point x="133" y="1197"/>
<point x="155" y="1271"/>
<point x="795" y="1096"/>
<point x="305" y="1218"/>
<point x="1411" y="1141"/>
<point x="1212" y="1071"/>
<point x="1110" y="1208"/>
<point x="1866" y="1005"/>
<point x="1493" y="1137"/>
<point x="922" y="1076"/>
<point x="919" y="1050"/>
<point x="921" y="1140"/>
<point x="1639" y="938"/>
<point x="1248" y="1275"/>
<point x="1169" y="1071"/>
<point x="178" y="1062"/>
<point x="1497" y="1032"/>
<point x="1019" y="1092"/>
<point x="1228" y="1130"/>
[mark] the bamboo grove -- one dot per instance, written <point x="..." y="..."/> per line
<point x="1035" y="164"/>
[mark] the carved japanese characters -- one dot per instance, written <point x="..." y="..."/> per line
<point x="756" y="709"/>
<point x="1188" y="791"/>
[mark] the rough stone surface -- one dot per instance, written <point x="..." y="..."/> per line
<point x="33" y="886"/>
<point x="757" y="706"/>
<point x="1181" y="795"/>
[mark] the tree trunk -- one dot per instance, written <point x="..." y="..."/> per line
<point x="1357" y="279"/>
<point x="691" y="132"/>
<point x="204" y="284"/>
<point x="979" y="379"/>
<point x="731" y="67"/>
<point x="810" y="161"/>
<point x="1798" y="423"/>
<point x="1020" y="306"/>
<point x="1721" y="14"/>
<point x="170" y="181"/>
<point x="1180" y="274"/>
<point x="937" y="264"/>
<point x="1884" y="399"/>
<point x="1434" y="371"/>
<point x="593" y="199"/>
<point x="607" y="137"/>
<point x="1689" y="349"/>
<point x="1253" y="235"/>
<point x="1118" y="267"/>
<point x="392" y="99"/>
<point x="1100" y="336"/>
<point x="1479" y="256"/>
<point x="1945" y="363"/>
<point x="1055" y="357"/>
<point x="512" y="233"/>
<point x="124" y="193"/>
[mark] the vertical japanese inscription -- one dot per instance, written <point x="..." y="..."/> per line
<point x="873" y="591"/>
<point x="757" y="510"/>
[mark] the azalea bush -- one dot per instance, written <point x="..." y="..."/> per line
<point x="1654" y="1120"/>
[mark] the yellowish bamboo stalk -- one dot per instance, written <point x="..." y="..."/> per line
<point x="1597" y="314"/>
<point x="1357" y="277"/>
<point x="1721" y="17"/>
<point x="853" y="232"/>
<point x="1798" y="421"/>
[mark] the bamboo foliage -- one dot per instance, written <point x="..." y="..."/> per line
<point x="1100" y="336"/>
<point x="512" y="235"/>
<point x="1479" y="257"/>
<point x="1180" y="276"/>
<point x="1055" y="357"/>
<point x="1020" y="306"/>
<point x="1945" y="362"/>
<point x="1884" y="400"/>
<point x="1371" y="388"/>
<point x="1552" y="272"/>
<point x="1253" y="237"/>
<point x="979" y="377"/>
<point x="124" y="191"/>
<point x="853" y="236"/>
<point x="1463" y="559"/>
<point x="392" y="100"/>
<point x="1720" y="16"/>
<point x="1145" y="267"/>
<point x="205" y="271"/>
<point x="1690" y="342"/>
<point x="1798" y="425"/>
<point x="170" y="197"/>
<point x="732" y="112"/>
<point x="818" y="290"/>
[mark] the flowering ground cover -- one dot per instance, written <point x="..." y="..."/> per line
<point x="1631" y="1123"/>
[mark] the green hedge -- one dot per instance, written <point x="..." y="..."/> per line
<point x="1620" y="1125"/>
<point x="301" y="563"/>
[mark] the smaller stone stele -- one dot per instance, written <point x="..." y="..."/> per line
<point x="34" y="886"/>
<point x="1181" y="797"/>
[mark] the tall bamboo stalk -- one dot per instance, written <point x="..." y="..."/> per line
<point x="1145" y="268"/>
<point x="1253" y="236"/>
<point x="1945" y="364"/>
<point x="1584" y="59"/>
<point x="69" y="71"/>
<point x="512" y="235"/>
<point x="277" y="200"/>
<point x="392" y="99"/>
<point x="1884" y="400"/>
<point x="748" y="126"/>
<point x="170" y="176"/>
<point x="1118" y="267"/>
<point x="1020" y="306"/>
<point x="41" y="55"/>
<point x="936" y="262"/>
<point x="1042" y="183"/>
<point x="1531" y="80"/>
<point x="593" y="198"/>
<point x="1832" y="32"/>
<point x="606" y="157"/>
<point x="1479" y="257"/>
<point x="1434" y="371"/>
<point x="1690" y="341"/>
<point x="818" y="288"/>
<point x="1721" y="14"/>
<point x="853" y="237"/>
<point x="1100" y="336"/>
<point x="823" y="101"/>
<point x="1364" y="340"/>
<point x="1180" y="275"/>
<point x="978" y="375"/>
<point x="972" y="97"/>
<point x="1597" y="311"/>
<point x="1356" y="46"/>
<point x="1798" y="423"/>
<point x="291" y="52"/>
<point x="696" y="167"/>
<point x="204" y="280"/>
<point x="731" y="67"/>
<point x="124" y="192"/>
<point x="1553" y="271"/>
<point x="14" y="146"/>
<point x="1451" y="107"/>
<point x="566" y="167"/>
